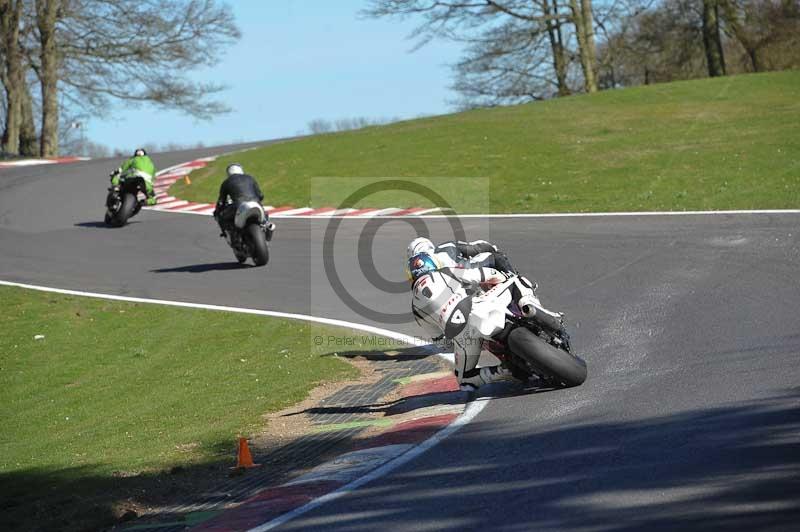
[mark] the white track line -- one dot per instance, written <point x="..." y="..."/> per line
<point x="428" y="213"/>
<point x="570" y="214"/>
<point x="328" y="215"/>
<point x="473" y="409"/>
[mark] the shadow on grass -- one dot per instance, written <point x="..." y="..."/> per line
<point x="722" y="468"/>
<point x="82" y="498"/>
<point x="202" y="268"/>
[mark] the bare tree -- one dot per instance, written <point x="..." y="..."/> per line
<point x="505" y="65"/>
<point x="685" y="39"/>
<point x="140" y="51"/>
<point x="653" y="45"/>
<point x="319" y="126"/>
<point x="712" y="41"/>
<point x="761" y="26"/>
<point x="88" y="53"/>
<point x="47" y="12"/>
<point x="584" y="32"/>
<point x="499" y="34"/>
<point x="28" y="137"/>
<point x="11" y="73"/>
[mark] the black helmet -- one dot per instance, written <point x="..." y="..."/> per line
<point x="140" y="152"/>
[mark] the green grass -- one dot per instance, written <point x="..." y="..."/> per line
<point x="722" y="143"/>
<point x="118" y="390"/>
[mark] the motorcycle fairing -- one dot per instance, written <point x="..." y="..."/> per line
<point x="247" y="210"/>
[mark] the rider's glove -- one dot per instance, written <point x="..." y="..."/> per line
<point x="493" y="277"/>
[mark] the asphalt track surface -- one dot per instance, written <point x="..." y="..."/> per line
<point x="690" y="418"/>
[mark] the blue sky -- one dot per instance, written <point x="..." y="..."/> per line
<point x="299" y="60"/>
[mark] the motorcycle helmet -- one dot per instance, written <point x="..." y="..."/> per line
<point x="420" y="245"/>
<point x="234" y="168"/>
<point x="419" y="265"/>
<point x="140" y="152"/>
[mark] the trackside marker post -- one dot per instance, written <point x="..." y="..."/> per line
<point x="244" y="460"/>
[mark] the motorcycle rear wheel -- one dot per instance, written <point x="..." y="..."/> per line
<point x="547" y="360"/>
<point x="259" y="243"/>
<point x="125" y="210"/>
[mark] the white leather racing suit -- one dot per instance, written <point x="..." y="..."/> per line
<point x="441" y="303"/>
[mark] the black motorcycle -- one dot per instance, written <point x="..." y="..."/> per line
<point x="249" y="233"/>
<point x="122" y="202"/>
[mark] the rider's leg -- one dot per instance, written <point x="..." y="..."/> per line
<point x="522" y="293"/>
<point x="531" y="307"/>
<point x="467" y="350"/>
<point x="225" y="218"/>
<point x="151" y="194"/>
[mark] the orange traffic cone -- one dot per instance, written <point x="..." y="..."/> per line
<point x="187" y="180"/>
<point x="244" y="460"/>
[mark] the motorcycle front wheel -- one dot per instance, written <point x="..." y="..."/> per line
<point x="547" y="360"/>
<point x="258" y="241"/>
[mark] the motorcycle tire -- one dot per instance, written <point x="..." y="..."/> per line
<point x="259" y="242"/>
<point x="126" y="209"/>
<point x="547" y="360"/>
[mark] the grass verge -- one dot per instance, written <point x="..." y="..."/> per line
<point x="114" y="396"/>
<point x="721" y="143"/>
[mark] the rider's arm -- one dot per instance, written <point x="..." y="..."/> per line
<point x="476" y="275"/>
<point x="151" y="166"/>
<point x="258" y="190"/>
<point x="223" y="193"/>
<point x="470" y="249"/>
<point x="126" y="165"/>
<point x="467" y="249"/>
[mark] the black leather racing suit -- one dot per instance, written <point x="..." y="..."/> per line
<point x="239" y="188"/>
<point x="465" y="254"/>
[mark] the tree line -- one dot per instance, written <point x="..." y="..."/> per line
<point x="80" y="55"/>
<point x="523" y="50"/>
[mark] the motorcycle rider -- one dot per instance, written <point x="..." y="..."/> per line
<point x="465" y="254"/>
<point x="237" y="188"/>
<point x="140" y="165"/>
<point x="442" y="298"/>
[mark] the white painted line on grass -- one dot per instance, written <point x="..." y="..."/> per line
<point x="404" y="338"/>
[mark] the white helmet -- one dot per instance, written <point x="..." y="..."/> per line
<point x="234" y="168"/>
<point x="140" y="152"/>
<point x="420" y="245"/>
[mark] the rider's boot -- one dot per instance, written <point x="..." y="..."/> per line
<point x="474" y="379"/>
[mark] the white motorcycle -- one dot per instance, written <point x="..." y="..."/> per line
<point x="533" y="343"/>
